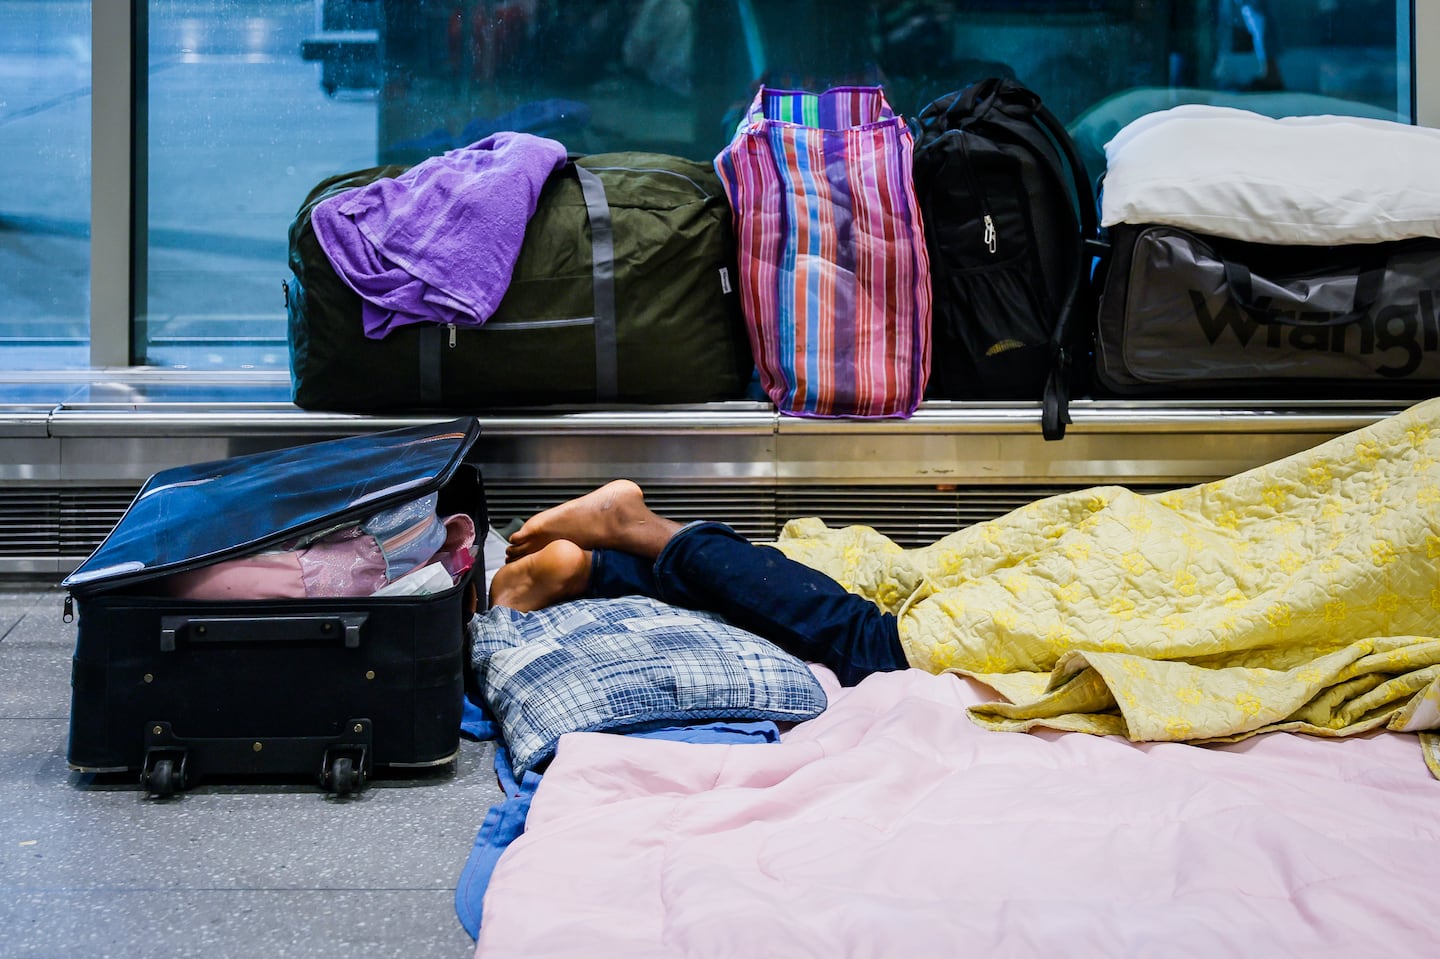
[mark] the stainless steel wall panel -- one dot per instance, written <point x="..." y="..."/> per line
<point x="130" y="460"/>
<point x="1114" y="442"/>
<point x="720" y="443"/>
<point x="24" y="420"/>
<point x="643" y="458"/>
<point x="67" y="472"/>
<point x="28" y="459"/>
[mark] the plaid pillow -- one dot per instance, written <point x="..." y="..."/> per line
<point x="621" y="665"/>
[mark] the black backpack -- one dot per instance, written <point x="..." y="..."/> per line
<point x="1008" y="214"/>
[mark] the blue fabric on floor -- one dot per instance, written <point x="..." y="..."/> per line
<point x="503" y="825"/>
<point x="477" y="722"/>
<point x="506" y="820"/>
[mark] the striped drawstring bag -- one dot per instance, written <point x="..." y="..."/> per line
<point x="834" y="274"/>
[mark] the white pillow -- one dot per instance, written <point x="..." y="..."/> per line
<point x="1313" y="180"/>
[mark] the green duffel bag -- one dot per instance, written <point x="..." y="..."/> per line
<point x="648" y="314"/>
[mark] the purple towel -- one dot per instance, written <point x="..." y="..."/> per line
<point x="437" y="244"/>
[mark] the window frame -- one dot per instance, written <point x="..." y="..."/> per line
<point x="117" y="188"/>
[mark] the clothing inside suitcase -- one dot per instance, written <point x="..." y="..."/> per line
<point x="335" y="687"/>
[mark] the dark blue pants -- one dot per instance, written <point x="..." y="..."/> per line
<point x="708" y="566"/>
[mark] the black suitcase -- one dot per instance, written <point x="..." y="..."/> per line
<point x="1183" y="313"/>
<point x="181" y="689"/>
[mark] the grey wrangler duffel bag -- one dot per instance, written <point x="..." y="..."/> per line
<point x="1190" y="314"/>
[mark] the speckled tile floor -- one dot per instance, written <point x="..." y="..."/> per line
<point x="91" y="867"/>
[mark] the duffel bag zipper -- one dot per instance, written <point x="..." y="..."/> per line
<point x="520" y="326"/>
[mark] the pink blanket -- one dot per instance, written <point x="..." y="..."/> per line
<point x="893" y="826"/>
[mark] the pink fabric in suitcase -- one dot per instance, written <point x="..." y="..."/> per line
<point x="348" y="562"/>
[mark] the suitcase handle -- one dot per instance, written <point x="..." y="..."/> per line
<point x="261" y="629"/>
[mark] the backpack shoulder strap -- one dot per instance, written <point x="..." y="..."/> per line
<point x="1084" y="192"/>
<point x="1055" y="408"/>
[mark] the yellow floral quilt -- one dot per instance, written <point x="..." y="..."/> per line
<point x="1303" y="595"/>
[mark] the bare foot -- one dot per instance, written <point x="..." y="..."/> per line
<point x="612" y="517"/>
<point x="557" y="572"/>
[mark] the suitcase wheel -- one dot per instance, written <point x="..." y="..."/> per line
<point x="343" y="774"/>
<point x="162" y="776"/>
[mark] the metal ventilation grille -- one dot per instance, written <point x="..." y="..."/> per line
<point x="88" y="516"/>
<point x="29" y="522"/>
<point x="915" y="515"/>
<point x="749" y="510"/>
<point x="46" y="531"/>
<point x="910" y="515"/>
<point x="49" y="531"/>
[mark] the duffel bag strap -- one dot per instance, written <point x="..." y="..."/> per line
<point x="602" y="247"/>
<point x="602" y="244"/>
<point x="1368" y="284"/>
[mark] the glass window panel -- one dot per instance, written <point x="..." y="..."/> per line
<point x="239" y="130"/>
<point x="45" y="193"/>
<point x="251" y="102"/>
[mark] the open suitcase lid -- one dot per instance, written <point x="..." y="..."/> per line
<point x="192" y="516"/>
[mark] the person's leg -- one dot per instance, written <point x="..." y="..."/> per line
<point x="561" y="571"/>
<point x="608" y="536"/>
<point x="553" y="574"/>
<point x="615" y="573"/>
<point x="709" y="566"/>
<point x="612" y="517"/>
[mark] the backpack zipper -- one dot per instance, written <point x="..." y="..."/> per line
<point x="988" y="236"/>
